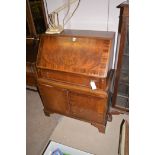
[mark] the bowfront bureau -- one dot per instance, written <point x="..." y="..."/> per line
<point x="74" y="72"/>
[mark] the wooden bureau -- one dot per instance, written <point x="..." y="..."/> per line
<point x="67" y="65"/>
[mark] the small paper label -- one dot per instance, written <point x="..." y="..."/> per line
<point x="93" y="85"/>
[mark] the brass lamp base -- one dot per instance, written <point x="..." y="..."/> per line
<point x="56" y="30"/>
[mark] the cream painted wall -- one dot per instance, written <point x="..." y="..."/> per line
<point x="91" y="15"/>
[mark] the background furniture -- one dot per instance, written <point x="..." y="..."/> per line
<point x="31" y="56"/>
<point x="120" y="98"/>
<point x="67" y="65"/>
<point x="35" y="25"/>
<point x="123" y="148"/>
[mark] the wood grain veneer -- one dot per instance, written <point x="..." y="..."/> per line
<point x="66" y="64"/>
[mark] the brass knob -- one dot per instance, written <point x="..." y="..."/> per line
<point x="74" y="39"/>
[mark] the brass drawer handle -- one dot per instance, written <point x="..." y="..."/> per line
<point x="74" y="39"/>
<point x="93" y="85"/>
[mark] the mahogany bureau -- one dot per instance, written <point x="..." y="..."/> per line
<point x="74" y="74"/>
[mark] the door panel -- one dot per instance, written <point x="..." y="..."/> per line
<point x="88" y="107"/>
<point x="54" y="99"/>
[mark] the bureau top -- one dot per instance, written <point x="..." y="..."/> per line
<point x="77" y="51"/>
<point x="86" y="33"/>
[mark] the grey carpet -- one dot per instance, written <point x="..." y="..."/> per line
<point x="85" y="137"/>
<point x="38" y="126"/>
<point x="41" y="128"/>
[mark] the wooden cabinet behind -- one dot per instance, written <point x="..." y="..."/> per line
<point x="121" y="86"/>
<point x="66" y="65"/>
<point x="36" y="24"/>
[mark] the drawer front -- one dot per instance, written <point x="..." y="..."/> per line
<point x="88" y="107"/>
<point x="72" y="78"/>
<point x="54" y="99"/>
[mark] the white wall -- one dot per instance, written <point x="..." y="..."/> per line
<point x="91" y="15"/>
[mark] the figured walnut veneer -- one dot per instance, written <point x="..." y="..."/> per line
<point x="66" y="64"/>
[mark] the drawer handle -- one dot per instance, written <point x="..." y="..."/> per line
<point x="74" y="39"/>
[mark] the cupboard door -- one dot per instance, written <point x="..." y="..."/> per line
<point x="87" y="107"/>
<point x="54" y="99"/>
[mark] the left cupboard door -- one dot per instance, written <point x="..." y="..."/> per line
<point x="54" y="99"/>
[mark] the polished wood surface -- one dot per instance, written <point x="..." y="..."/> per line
<point x="76" y="88"/>
<point x="66" y="64"/>
<point x="81" y="80"/>
<point x="88" y="107"/>
<point x="86" y="55"/>
<point x="54" y="98"/>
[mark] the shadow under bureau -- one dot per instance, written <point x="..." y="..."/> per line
<point x="74" y="74"/>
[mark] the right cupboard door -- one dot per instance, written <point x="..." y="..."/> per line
<point x="88" y="107"/>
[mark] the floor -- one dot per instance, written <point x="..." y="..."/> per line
<point x="38" y="127"/>
<point x="68" y="131"/>
<point x="85" y="137"/>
